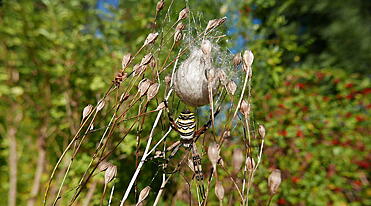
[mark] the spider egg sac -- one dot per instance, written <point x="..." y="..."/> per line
<point x="190" y="80"/>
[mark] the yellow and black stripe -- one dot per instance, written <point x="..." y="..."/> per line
<point x="186" y="124"/>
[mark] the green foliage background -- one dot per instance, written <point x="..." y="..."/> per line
<point x="311" y="88"/>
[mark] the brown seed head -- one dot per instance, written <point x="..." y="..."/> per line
<point x="180" y="26"/>
<point x="237" y="59"/>
<point x="248" y="58"/>
<point x="126" y="60"/>
<point x="143" y="194"/>
<point x="250" y="164"/>
<point x="146" y="59"/>
<point x="151" y="38"/>
<point x="160" y="106"/>
<point x="245" y="108"/>
<point x="274" y="181"/>
<point x="219" y="190"/>
<point x="168" y="80"/>
<point x="231" y="87"/>
<point x="153" y="63"/>
<point x="237" y="159"/>
<point x="222" y="77"/>
<point x="178" y="35"/>
<point x="160" y="5"/>
<point x="152" y="91"/>
<point x="100" y="105"/>
<point x="212" y="24"/>
<point x="87" y="111"/>
<point x="210" y="75"/>
<point x="143" y="86"/>
<point x="213" y="153"/>
<point x="206" y="47"/>
<point x="261" y="131"/>
<point x="103" y="166"/>
<point x="110" y="174"/>
<point x="139" y="69"/>
<point x="183" y="14"/>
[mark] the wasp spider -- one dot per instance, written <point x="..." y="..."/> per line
<point x="185" y="125"/>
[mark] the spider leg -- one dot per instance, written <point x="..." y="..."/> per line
<point x="206" y="126"/>
<point x="171" y="120"/>
<point x="198" y="171"/>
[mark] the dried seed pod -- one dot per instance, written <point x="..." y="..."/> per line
<point x="190" y="81"/>
<point x="160" y="5"/>
<point x="274" y="181"/>
<point x="231" y="87"/>
<point x="143" y="194"/>
<point x="261" y="131"/>
<point x="143" y="86"/>
<point x="180" y="26"/>
<point x="160" y="106"/>
<point x="100" y="105"/>
<point x="146" y="59"/>
<point x="178" y="35"/>
<point x="222" y="77"/>
<point x="168" y="80"/>
<point x="213" y="153"/>
<point x="120" y="77"/>
<point x="87" y="111"/>
<point x="245" y="108"/>
<point x="183" y="14"/>
<point x="212" y="24"/>
<point x="102" y="166"/>
<point x="250" y="164"/>
<point x="110" y="174"/>
<point x="152" y="91"/>
<point x="206" y="47"/>
<point x="210" y="74"/>
<point x="139" y="69"/>
<point x="219" y="190"/>
<point x="151" y="38"/>
<point x="153" y="63"/>
<point x="247" y="69"/>
<point x="248" y="58"/>
<point x="237" y="159"/>
<point x="237" y="59"/>
<point x="126" y="60"/>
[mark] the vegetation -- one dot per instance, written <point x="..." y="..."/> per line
<point x="309" y="91"/>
